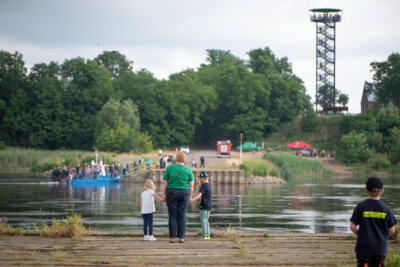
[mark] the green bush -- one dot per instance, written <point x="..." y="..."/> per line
<point x="70" y="162"/>
<point x="45" y="166"/>
<point x="275" y="173"/>
<point x="392" y="260"/>
<point x="71" y="226"/>
<point x="353" y="148"/>
<point x="255" y="167"/>
<point x="309" y="121"/>
<point x="394" y="154"/>
<point x="2" y="145"/>
<point x="378" y="161"/>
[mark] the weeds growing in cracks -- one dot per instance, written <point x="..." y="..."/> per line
<point x="71" y="226"/>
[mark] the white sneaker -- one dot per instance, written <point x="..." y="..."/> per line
<point x="146" y="238"/>
<point x="151" y="238"/>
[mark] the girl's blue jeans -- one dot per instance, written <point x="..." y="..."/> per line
<point x="148" y="222"/>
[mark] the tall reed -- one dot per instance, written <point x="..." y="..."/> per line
<point x="17" y="158"/>
<point x="259" y="168"/>
<point x="293" y="166"/>
<point x="71" y="226"/>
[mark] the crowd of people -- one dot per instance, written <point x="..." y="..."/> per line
<point x="313" y="152"/>
<point x="90" y="170"/>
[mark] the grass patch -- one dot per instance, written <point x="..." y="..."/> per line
<point x="395" y="236"/>
<point x="58" y="255"/>
<point x="71" y="226"/>
<point x="24" y="160"/>
<point x="392" y="260"/>
<point x="228" y="232"/>
<point x="6" y="229"/>
<point x="292" y="166"/>
<point x="259" y="168"/>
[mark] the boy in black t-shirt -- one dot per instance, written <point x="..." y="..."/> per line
<point x="376" y="224"/>
<point x="205" y="204"/>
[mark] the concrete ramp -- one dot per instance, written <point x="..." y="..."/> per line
<point x="215" y="176"/>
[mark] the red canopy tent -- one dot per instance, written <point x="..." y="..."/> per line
<point x="298" y="144"/>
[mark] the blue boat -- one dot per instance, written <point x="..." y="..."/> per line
<point x="96" y="182"/>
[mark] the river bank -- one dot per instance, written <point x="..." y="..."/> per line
<point x="229" y="250"/>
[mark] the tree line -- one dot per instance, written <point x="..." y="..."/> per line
<point x="103" y="104"/>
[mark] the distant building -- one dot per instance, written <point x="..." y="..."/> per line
<point x="368" y="97"/>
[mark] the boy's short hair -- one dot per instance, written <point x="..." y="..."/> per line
<point x="374" y="184"/>
<point x="203" y="175"/>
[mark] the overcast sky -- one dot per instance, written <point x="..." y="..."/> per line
<point x="168" y="36"/>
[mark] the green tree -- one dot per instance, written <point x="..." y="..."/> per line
<point x="113" y="139"/>
<point x="353" y="148"/>
<point x="288" y="96"/>
<point x="12" y="78"/>
<point x="387" y="118"/>
<point x="387" y="79"/>
<point x="116" y="63"/>
<point x="394" y="152"/>
<point x="360" y="124"/>
<point x="12" y="74"/>
<point x="376" y="142"/>
<point x="46" y="98"/>
<point x="196" y="96"/>
<point x="87" y="87"/>
<point x="218" y="57"/>
<point x="165" y="117"/>
<point x="117" y="125"/>
<point x="343" y="99"/>
<point x="17" y="120"/>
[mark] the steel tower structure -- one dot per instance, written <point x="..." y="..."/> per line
<point x="325" y="92"/>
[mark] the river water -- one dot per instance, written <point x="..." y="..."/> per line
<point x="321" y="205"/>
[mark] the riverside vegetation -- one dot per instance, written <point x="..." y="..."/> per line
<point x="15" y="160"/>
<point x="48" y="245"/>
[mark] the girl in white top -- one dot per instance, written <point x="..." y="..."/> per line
<point x="147" y="208"/>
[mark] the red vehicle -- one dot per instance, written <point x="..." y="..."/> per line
<point x="224" y="148"/>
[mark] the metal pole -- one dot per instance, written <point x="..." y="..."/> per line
<point x="241" y="139"/>
<point x="316" y="68"/>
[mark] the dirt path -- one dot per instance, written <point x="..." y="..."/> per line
<point x="335" y="166"/>
<point x="275" y="250"/>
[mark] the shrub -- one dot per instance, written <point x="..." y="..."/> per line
<point x="2" y="145"/>
<point x="255" y="167"/>
<point x="45" y="166"/>
<point x="394" y="154"/>
<point x="275" y="173"/>
<point x="6" y="229"/>
<point x="392" y="260"/>
<point x="69" y="227"/>
<point x="353" y="148"/>
<point x="378" y="161"/>
<point x="395" y="236"/>
<point x="70" y="162"/>
<point x="309" y="121"/>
